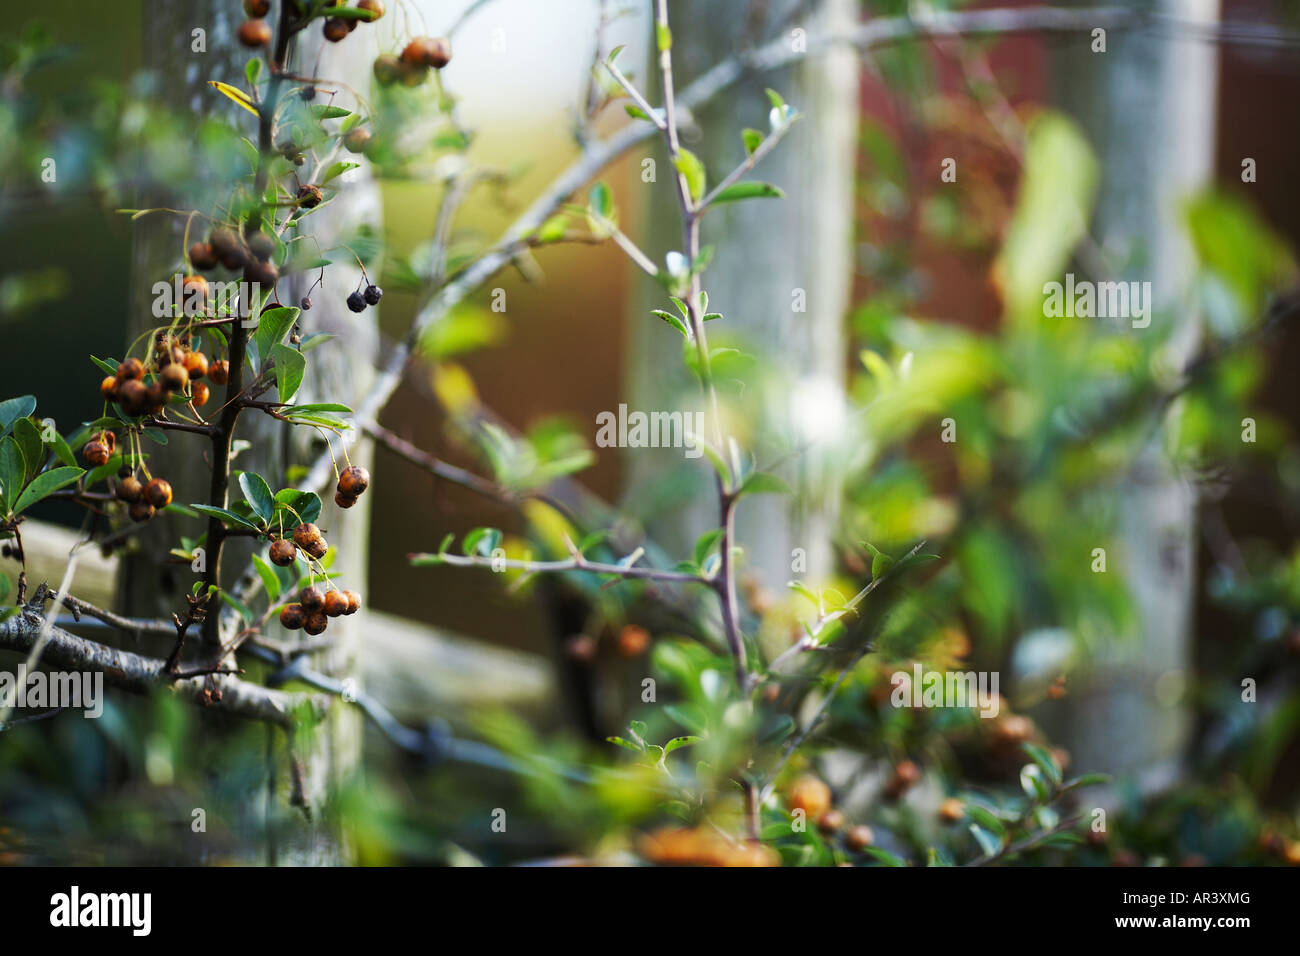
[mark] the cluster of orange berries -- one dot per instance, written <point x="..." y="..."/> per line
<point x="176" y="369"/>
<point x="224" y="247"/>
<point x="703" y="846"/>
<point x="306" y="536"/>
<point x="412" y="68"/>
<point x="813" y="797"/>
<point x="632" y="641"/>
<point x="351" y="485"/>
<point x="315" y="606"/>
<point x="144" y="499"/>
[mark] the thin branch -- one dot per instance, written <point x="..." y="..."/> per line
<point x="139" y="674"/>
<point x="575" y="563"/>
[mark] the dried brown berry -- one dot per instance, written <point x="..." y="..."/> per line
<point x="344" y="501"/>
<point x="173" y="377"/>
<point x="859" y="838"/>
<point x="196" y="365"/>
<point x="952" y="810"/>
<point x="810" y="795"/>
<point x="132" y="368"/>
<point x="305" y="534"/>
<point x="831" y="821"/>
<point x="257" y="8"/>
<point x="283" y="552"/>
<point x="199" y="394"/>
<point x="374" y="7"/>
<point x="354" y="481"/>
<point x="219" y="372"/>
<point x="95" y="453"/>
<point x="386" y="69"/>
<point x="194" y="292"/>
<point x="254" y="33"/>
<point x="292" y="617"/>
<point x="336" y="29"/>
<point x="633" y="641"/>
<point x="155" y="397"/>
<point x="354" y="602"/>
<point x="412" y="74"/>
<point x="141" y="510"/>
<point x="108" y="388"/>
<point x="132" y="396"/>
<point x="428" y="51"/>
<point x="224" y="242"/>
<point x="317" y="548"/>
<point x="129" y="489"/>
<point x="336" y="603"/>
<point x="309" y="196"/>
<point x="108" y="439"/>
<point x="312" y="598"/>
<point x="316" y="623"/>
<point x="203" y="256"/>
<point x="158" y="493"/>
<point x="261" y="246"/>
<point x="265" y="274"/>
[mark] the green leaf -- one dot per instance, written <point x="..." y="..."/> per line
<point x="764" y="483"/>
<point x="253" y="70"/>
<point x="290" y="367"/>
<point x="673" y="320"/>
<point x="753" y="139"/>
<point x="625" y="744"/>
<point x="663" y="37"/>
<point x="553" y="229"/>
<point x="107" y="366"/>
<point x="273" y="326"/>
<point x="1045" y="762"/>
<point x="270" y="580"/>
<point x="229" y="517"/>
<point x="323" y="112"/>
<point x="303" y="506"/>
<point x="635" y="111"/>
<point x="705" y="544"/>
<point x="482" y="541"/>
<point x="985" y="818"/>
<point x="689" y="165"/>
<point x="12" y="471"/>
<point x="258" y="495"/>
<point x="678" y="742"/>
<point x="338" y="169"/>
<point x="600" y="200"/>
<point x="741" y="191"/>
<point x="46" y="484"/>
<point x="12" y="409"/>
<point x="244" y="610"/>
<point x="29" y="441"/>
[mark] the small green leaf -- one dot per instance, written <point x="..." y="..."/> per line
<point x="753" y="139"/>
<point x="258" y="495"/>
<point x="290" y="367"/>
<point x="663" y="37"/>
<point x="673" y="320"/>
<point x="741" y="191"/>
<point x="12" y="470"/>
<point x="46" y="484"/>
<point x="270" y="580"/>
<point x="338" y="169"/>
<point x="253" y="70"/>
<point x="764" y="483"/>
<point x="689" y="165"/>
<point x="12" y="409"/>
<point x="705" y="544"/>
<point x="600" y="200"/>
<point x="678" y="742"/>
<point x="625" y="744"/>
<point x="481" y="541"/>
<point x="229" y="517"/>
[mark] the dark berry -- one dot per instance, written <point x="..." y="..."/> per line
<point x="357" y="302"/>
<point x="373" y="294"/>
<point x="283" y="552"/>
<point x="354" y="481"/>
